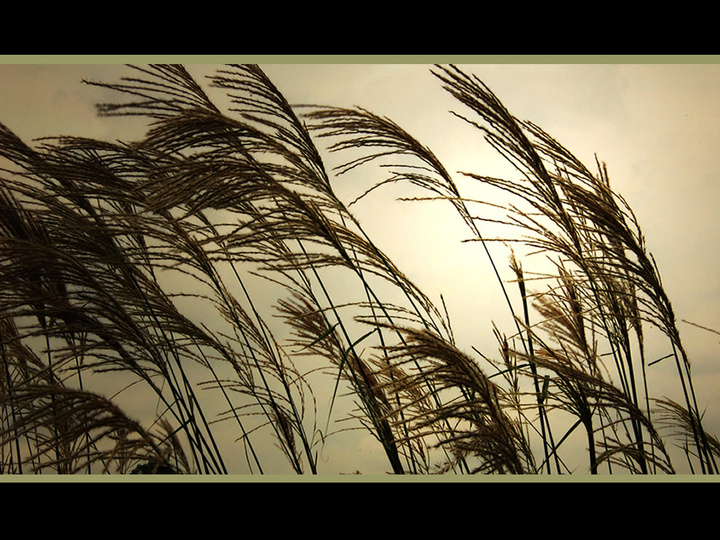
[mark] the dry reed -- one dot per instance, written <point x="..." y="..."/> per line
<point x="237" y="203"/>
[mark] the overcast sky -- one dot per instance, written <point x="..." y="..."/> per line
<point x="655" y="125"/>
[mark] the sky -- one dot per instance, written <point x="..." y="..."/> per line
<point x="654" y="124"/>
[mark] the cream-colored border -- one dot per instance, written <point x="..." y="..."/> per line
<point x="360" y="59"/>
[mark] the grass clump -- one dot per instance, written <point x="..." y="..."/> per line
<point x="160" y="268"/>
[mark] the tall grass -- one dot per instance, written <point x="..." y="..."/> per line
<point x="211" y="268"/>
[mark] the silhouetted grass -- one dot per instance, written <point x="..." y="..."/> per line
<point x="161" y="267"/>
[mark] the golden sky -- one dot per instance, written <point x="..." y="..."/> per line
<point x="656" y="125"/>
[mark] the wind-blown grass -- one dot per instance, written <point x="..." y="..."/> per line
<point x="239" y="208"/>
